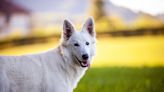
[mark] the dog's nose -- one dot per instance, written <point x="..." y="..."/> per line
<point x="85" y="56"/>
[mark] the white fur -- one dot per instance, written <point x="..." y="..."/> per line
<point x="52" y="71"/>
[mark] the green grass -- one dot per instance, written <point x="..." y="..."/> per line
<point x="122" y="80"/>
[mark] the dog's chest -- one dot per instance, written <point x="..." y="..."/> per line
<point x="56" y="83"/>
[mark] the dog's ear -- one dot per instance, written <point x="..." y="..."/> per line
<point x="89" y="27"/>
<point x="68" y="29"/>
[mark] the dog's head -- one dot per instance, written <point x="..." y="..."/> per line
<point x="81" y="44"/>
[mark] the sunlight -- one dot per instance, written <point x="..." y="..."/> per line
<point x="149" y="6"/>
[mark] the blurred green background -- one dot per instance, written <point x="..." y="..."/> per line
<point x="130" y="38"/>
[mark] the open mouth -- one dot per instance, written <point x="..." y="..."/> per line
<point x="83" y="63"/>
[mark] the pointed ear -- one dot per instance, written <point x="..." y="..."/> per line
<point x="68" y="29"/>
<point x="89" y="27"/>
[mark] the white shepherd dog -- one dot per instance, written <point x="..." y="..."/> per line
<point x="57" y="70"/>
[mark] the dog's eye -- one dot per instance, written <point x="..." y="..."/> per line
<point x="76" y="44"/>
<point x="87" y="43"/>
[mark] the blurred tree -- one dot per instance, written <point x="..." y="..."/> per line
<point x="97" y="9"/>
<point x="99" y="14"/>
<point x="146" y="21"/>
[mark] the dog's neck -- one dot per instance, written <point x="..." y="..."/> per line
<point x="73" y="70"/>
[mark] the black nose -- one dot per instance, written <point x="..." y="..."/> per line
<point x="85" y="56"/>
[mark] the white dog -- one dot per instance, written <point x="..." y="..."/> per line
<point x="57" y="70"/>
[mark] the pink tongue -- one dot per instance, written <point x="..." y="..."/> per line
<point x="85" y="63"/>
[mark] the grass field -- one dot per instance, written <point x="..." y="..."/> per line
<point x="122" y="80"/>
<point x="121" y="51"/>
<point x="130" y="51"/>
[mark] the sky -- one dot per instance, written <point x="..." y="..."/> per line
<point x="153" y="7"/>
<point x="69" y="6"/>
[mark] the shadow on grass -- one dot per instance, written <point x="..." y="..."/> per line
<point x="122" y="80"/>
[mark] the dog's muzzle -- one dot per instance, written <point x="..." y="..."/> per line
<point x="83" y="63"/>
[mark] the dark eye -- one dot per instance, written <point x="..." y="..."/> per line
<point x="87" y="43"/>
<point x="76" y="44"/>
